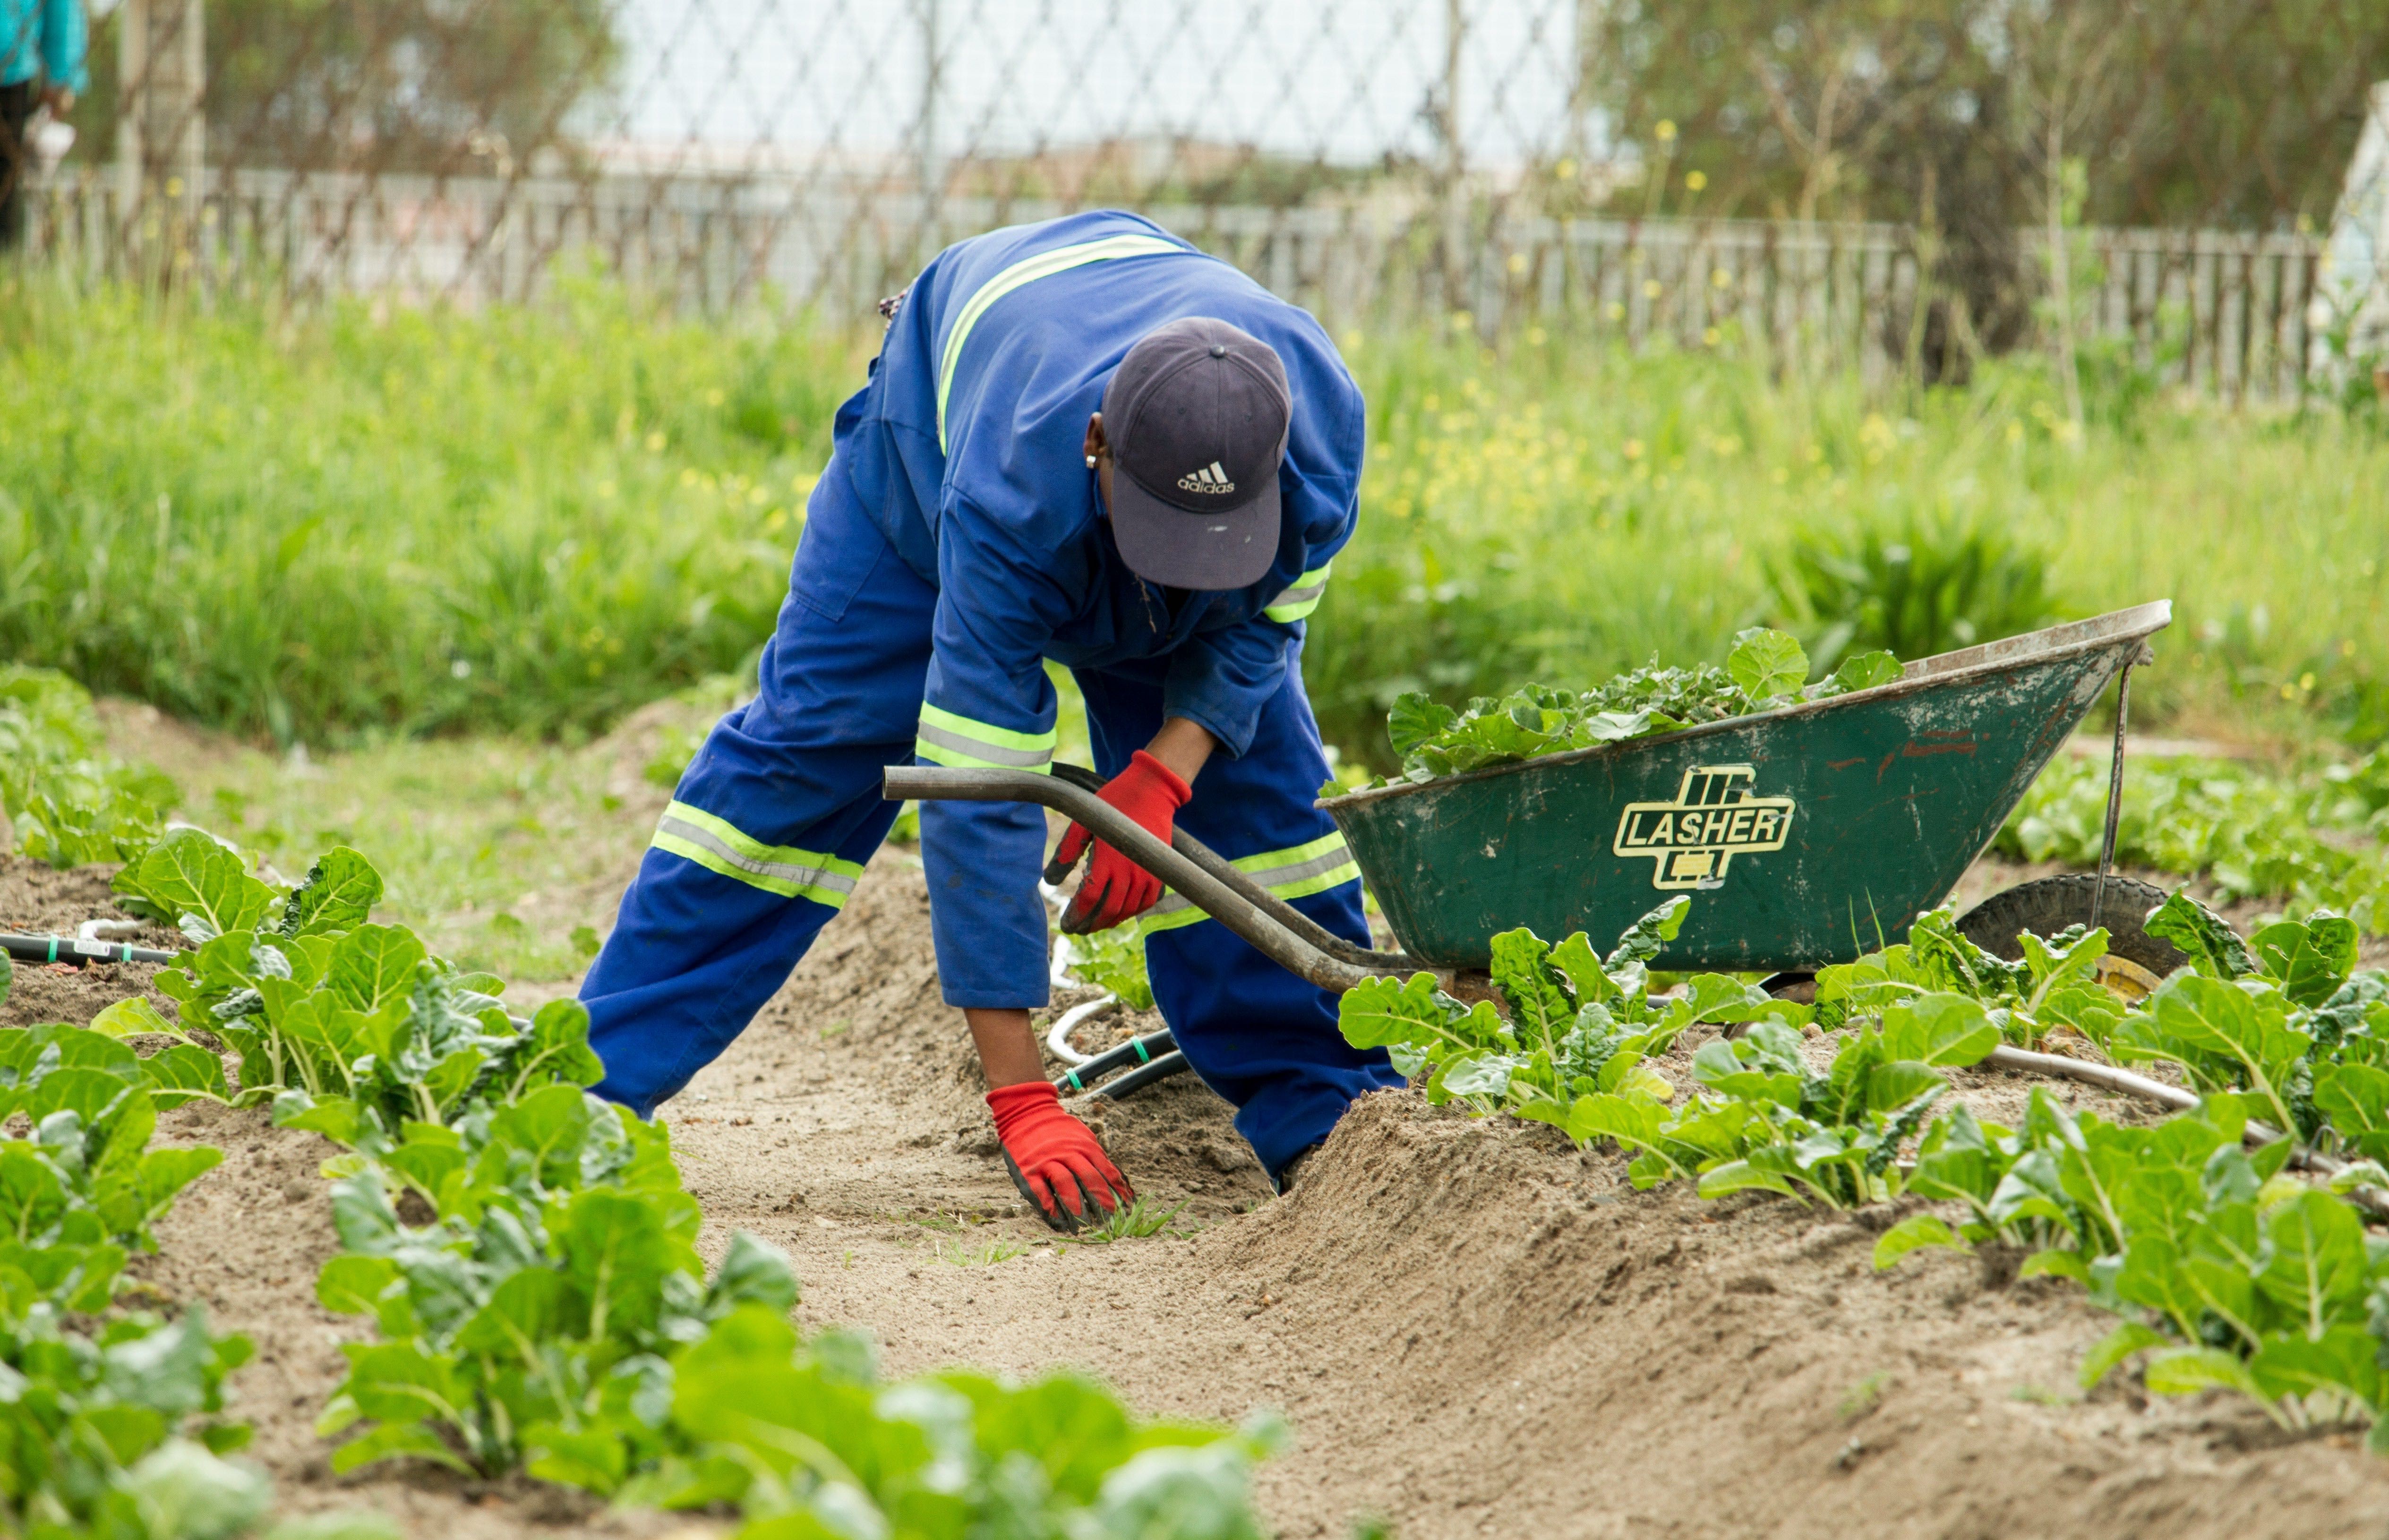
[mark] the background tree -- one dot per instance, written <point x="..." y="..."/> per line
<point x="418" y="86"/>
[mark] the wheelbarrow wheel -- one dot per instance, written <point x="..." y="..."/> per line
<point x="2050" y="904"/>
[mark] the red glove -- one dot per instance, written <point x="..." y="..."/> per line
<point x="1116" y="889"/>
<point x="1054" y="1157"/>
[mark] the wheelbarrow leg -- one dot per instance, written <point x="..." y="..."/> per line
<point x="2114" y="789"/>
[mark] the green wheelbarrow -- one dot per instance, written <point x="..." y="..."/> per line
<point x="1806" y="835"/>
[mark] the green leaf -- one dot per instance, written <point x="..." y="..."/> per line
<point x="1767" y="663"/>
<point x="550" y="1126"/>
<point x="1740" y="1176"/>
<point x="187" y="873"/>
<point x="2056" y="1262"/>
<point x="1942" y="1029"/>
<point x="164" y="1173"/>
<point x="532" y="1306"/>
<point x="353" y="1285"/>
<point x="619" y="1249"/>
<point x="453" y="1075"/>
<point x="336" y="1118"/>
<point x="1648" y="936"/>
<point x="2188" y="1371"/>
<point x="185" y="1492"/>
<point x="2215" y="949"/>
<point x="424" y="1165"/>
<point x="559" y="1050"/>
<point x="396" y="1441"/>
<point x="2318" y="1271"/>
<point x="2311" y="959"/>
<point x="1540" y="1009"/>
<point x="131" y="1016"/>
<point x="372" y="966"/>
<point x="184" y="1071"/>
<point x="753" y="1271"/>
<point x="1866" y="670"/>
<point x="1416" y="718"/>
<point x="1717" y="1064"/>
<point x="1915" y="1233"/>
<point x="1379" y="1012"/>
<point x="400" y="1382"/>
<point x="2356" y="1098"/>
<point x="2113" y="1348"/>
<point x="2346" y="1359"/>
<point x="594" y="1462"/>
<point x="338" y="894"/>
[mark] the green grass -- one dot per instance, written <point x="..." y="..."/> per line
<point x="506" y="852"/>
<point x="369" y="519"/>
<point x="1135" y="1222"/>
<point x="377" y="517"/>
<point x="990" y="1253"/>
<point x="1564" y="512"/>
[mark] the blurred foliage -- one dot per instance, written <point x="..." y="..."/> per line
<point x="67" y="799"/>
<point x="2197" y="112"/>
<point x="2311" y="838"/>
<point x="418" y="85"/>
<point x="1563" y="511"/>
<point x="1961" y="115"/>
<point x="377" y="516"/>
<point x="373" y="521"/>
<point x="1927" y="583"/>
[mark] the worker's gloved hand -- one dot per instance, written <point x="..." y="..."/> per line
<point x="1054" y="1157"/>
<point x="1116" y="889"/>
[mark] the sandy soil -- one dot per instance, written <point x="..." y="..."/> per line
<point x="1475" y="1329"/>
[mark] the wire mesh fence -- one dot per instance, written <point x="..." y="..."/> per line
<point x="1894" y="188"/>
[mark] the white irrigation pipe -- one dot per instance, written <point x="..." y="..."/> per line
<point x="103" y="930"/>
<point x="2108" y="1077"/>
<point x="1057" y="1038"/>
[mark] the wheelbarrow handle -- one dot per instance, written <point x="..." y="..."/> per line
<point x="1281" y="933"/>
<point x="1254" y="893"/>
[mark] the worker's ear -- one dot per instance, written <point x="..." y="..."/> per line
<point x="1097" y="445"/>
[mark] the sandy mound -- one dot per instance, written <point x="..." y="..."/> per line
<point x="1475" y="1329"/>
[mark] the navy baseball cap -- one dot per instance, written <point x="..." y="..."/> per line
<point x="1196" y="417"/>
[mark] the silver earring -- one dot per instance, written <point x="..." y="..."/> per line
<point x="1091" y="462"/>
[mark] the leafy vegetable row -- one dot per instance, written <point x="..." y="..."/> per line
<point x="110" y="1413"/>
<point x="528" y="1257"/>
<point x="1765" y="669"/>
<point x="67" y="800"/>
<point x="2313" y="839"/>
<point x="2227" y="1271"/>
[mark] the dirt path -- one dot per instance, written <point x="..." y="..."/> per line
<point x="1474" y="1329"/>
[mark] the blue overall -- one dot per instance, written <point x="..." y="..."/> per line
<point x="955" y="544"/>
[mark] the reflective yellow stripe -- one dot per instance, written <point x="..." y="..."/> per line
<point x="1300" y="599"/>
<point x="1297" y="871"/>
<point x="719" y="846"/>
<point x="949" y="739"/>
<point x="1043" y="265"/>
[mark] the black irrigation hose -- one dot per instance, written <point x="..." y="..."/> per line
<point x="1137" y="1079"/>
<point x="1140" y="1052"/>
<point x="74" y="949"/>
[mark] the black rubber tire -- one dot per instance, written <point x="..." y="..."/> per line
<point x="2050" y="904"/>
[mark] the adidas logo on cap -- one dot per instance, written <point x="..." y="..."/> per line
<point x="1211" y="478"/>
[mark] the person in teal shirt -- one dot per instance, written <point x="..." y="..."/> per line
<point x="43" y="49"/>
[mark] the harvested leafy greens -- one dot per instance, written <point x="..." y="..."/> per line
<point x="1765" y="669"/>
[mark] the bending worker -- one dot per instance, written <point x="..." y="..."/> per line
<point x="1084" y="442"/>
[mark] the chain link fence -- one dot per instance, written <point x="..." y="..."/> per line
<point x="1894" y="189"/>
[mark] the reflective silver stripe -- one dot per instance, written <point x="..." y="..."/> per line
<point x="1299" y="595"/>
<point x="1026" y="758"/>
<point x="775" y="871"/>
<point x="1277" y="879"/>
